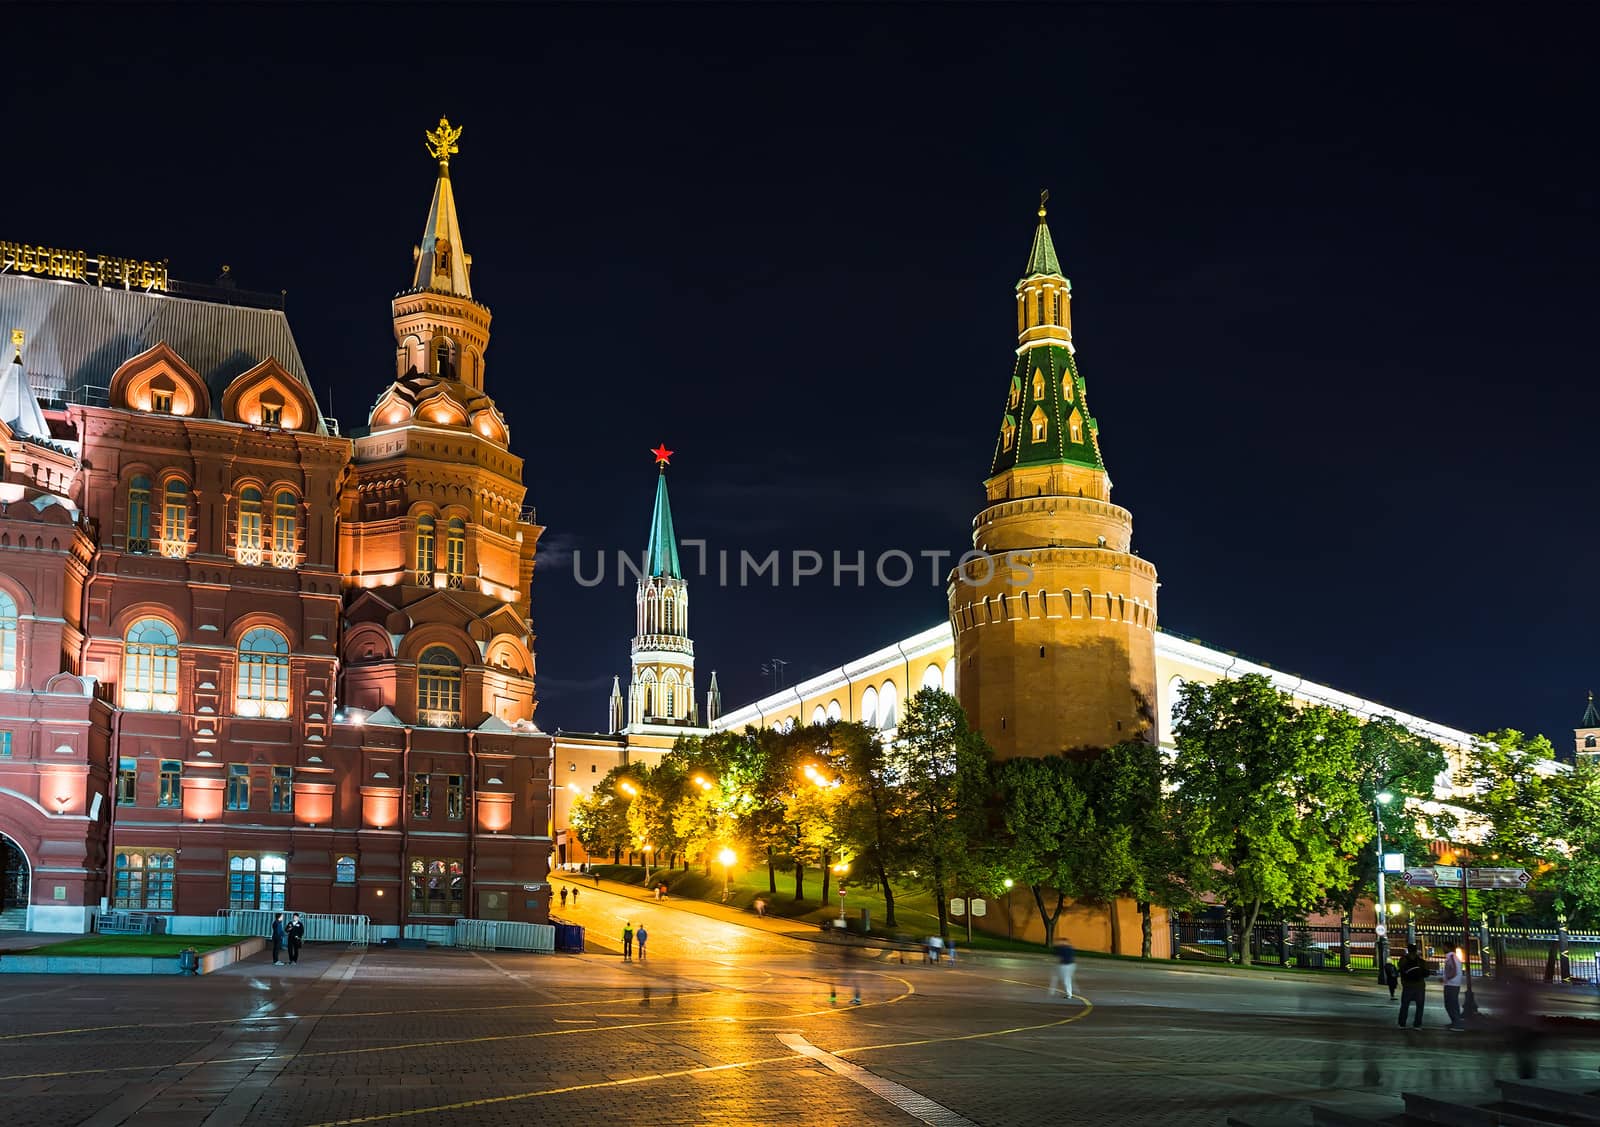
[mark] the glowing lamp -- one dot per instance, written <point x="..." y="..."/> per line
<point x="727" y="858"/>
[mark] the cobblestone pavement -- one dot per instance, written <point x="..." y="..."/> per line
<point x="692" y="1036"/>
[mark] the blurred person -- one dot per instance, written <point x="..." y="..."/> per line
<point x="1066" y="966"/>
<point x="627" y="941"/>
<point x="1455" y="977"/>
<point x="1413" y="983"/>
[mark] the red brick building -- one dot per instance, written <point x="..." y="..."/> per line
<point x="246" y="662"/>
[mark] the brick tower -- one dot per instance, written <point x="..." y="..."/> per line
<point x="1055" y="632"/>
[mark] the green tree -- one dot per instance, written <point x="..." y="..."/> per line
<point x="601" y="818"/>
<point x="1393" y="760"/>
<point x="867" y="812"/>
<point x="938" y="775"/>
<point x="1046" y="821"/>
<point x="1516" y="804"/>
<point x="1575" y="879"/>
<point x="1266" y="795"/>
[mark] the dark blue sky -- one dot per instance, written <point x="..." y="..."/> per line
<point x="1334" y="277"/>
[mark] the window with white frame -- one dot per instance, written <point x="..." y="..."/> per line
<point x="257" y="881"/>
<point x="8" y="641"/>
<point x="150" y="667"/>
<point x="263" y="674"/>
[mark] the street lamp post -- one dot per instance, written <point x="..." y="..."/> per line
<point x="1008" y="882"/>
<point x="647" y="851"/>
<point x="727" y="857"/>
<point x="1381" y="948"/>
<point x="841" y="870"/>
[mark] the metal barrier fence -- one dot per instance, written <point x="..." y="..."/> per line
<point x="488" y="935"/>
<point x="1544" y="954"/>
<point x="321" y="927"/>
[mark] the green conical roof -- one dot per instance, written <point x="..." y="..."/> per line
<point x="662" y="555"/>
<point x="1042" y="259"/>
<point x="1046" y="415"/>
<point x="1591" y="718"/>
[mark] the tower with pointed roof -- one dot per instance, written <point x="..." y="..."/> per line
<point x="661" y="688"/>
<point x="1055" y="620"/>
<point x="436" y="543"/>
<point x="1586" y="736"/>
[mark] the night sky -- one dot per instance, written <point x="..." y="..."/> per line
<point x="1334" y="280"/>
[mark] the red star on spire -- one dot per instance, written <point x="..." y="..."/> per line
<point x="663" y="455"/>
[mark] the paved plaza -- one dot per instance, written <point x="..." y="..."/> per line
<point x="722" y="1023"/>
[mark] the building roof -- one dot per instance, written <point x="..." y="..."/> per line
<point x="19" y="407"/>
<point x="1054" y="399"/>
<point x="1042" y="258"/>
<point x="1591" y="718"/>
<point x="77" y="335"/>
<point x="661" y="558"/>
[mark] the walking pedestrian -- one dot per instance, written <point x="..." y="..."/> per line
<point x="563" y="896"/>
<point x="1413" y="984"/>
<point x="641" y="937"/>
<point x="935" y="949"/>
<point x="574" y="896"/>
<point x="657" y="891"/>
<point x="627" y="941"/>
<point x="1455" y="977"/>
<point x="1391" y="977"/>
<point x="1066" y="966"/>
<point x="297" y="935"/>
<point x="596" y="876"/>
<point x="279" y="934"/>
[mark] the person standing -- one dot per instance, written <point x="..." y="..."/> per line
<point x="563" y="896"/>
<point x="1391" y="977"/>
<point x="627" y="941"/>
<point x="278" y="936"/>
<point x="1455" y="977"/>
<point x="574" y="896"/>
<point x="1066" y="965"/>
<point x="297" y="935"/>
<point x="1413" y="983"/>
<point x="641" y="937"/>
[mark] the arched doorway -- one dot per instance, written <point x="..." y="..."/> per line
<point x="13" y="886"/>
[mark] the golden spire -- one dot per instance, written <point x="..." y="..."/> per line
<point x="442" y="141"/>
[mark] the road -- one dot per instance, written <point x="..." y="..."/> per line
<point x="722" y="1023"/>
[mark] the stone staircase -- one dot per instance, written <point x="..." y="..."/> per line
<point x="14" y="919"/>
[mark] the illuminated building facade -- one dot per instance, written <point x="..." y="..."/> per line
<point x="247" y="662"/>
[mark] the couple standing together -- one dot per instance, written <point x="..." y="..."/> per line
<point x="293" y="933"/>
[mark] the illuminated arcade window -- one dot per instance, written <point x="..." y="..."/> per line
<point x="8" y="641"/>
<point x="263" y="674"/>
<point x="150" y="667"/>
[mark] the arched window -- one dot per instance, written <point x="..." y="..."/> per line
<point x="888" y="705"/>
<point x="455" y="552"/>
<point x="819" y="715"/>
<point x="1075" y="426"/>
<point x="668" y="607"/>
<point x="150" y="667"/>
<point x="869" y="706"/>
<point x="425" y="561"/>
<point x="441" y="357"/>
<point x="932" y="678"/>
<point x="175" y="518"/>
<point x="139" y="514"/>
<point x="284" y="538"/>
<point x="1066" y="387"/>
<point x="8" y="641"/>
<point x="950" y="676"/>
<point x="1588" y="742"/>
<point x="1016" y="393"/>
<point x="672" y="697"/>
<point x="263" y="674"/>
<point x="1055" y="317"/>
<point x="248" y="550"/>
<point x="1038" y="385"/>
<point x="439" y="688"/>
<point x="834" y="711"/>
<point x="1008" y="432"/>
<point x="1040" y="423"/>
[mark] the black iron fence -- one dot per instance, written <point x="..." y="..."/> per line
<point x="1542" y="954"/>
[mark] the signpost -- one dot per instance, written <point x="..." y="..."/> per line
<point x="1437" y="876"/>
<point x="1498" y="878"/>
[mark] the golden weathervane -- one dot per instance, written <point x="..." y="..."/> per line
<point x="442" y="141"/>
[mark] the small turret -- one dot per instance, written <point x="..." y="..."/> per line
<point x="1586" y="736"/>
<point x="617" y="716"/>
<point x="713" y="701"/>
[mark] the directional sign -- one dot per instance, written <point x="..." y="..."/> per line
<point x="980" y="908"/>
<point x="958" y="907"/>
<point x="1438" y="876"/>
<point x="1497" y="878"/>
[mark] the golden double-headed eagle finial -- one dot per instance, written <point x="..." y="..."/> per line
<point x="442" y="141"/>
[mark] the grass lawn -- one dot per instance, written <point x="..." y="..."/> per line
<point x="146" y="946"/>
